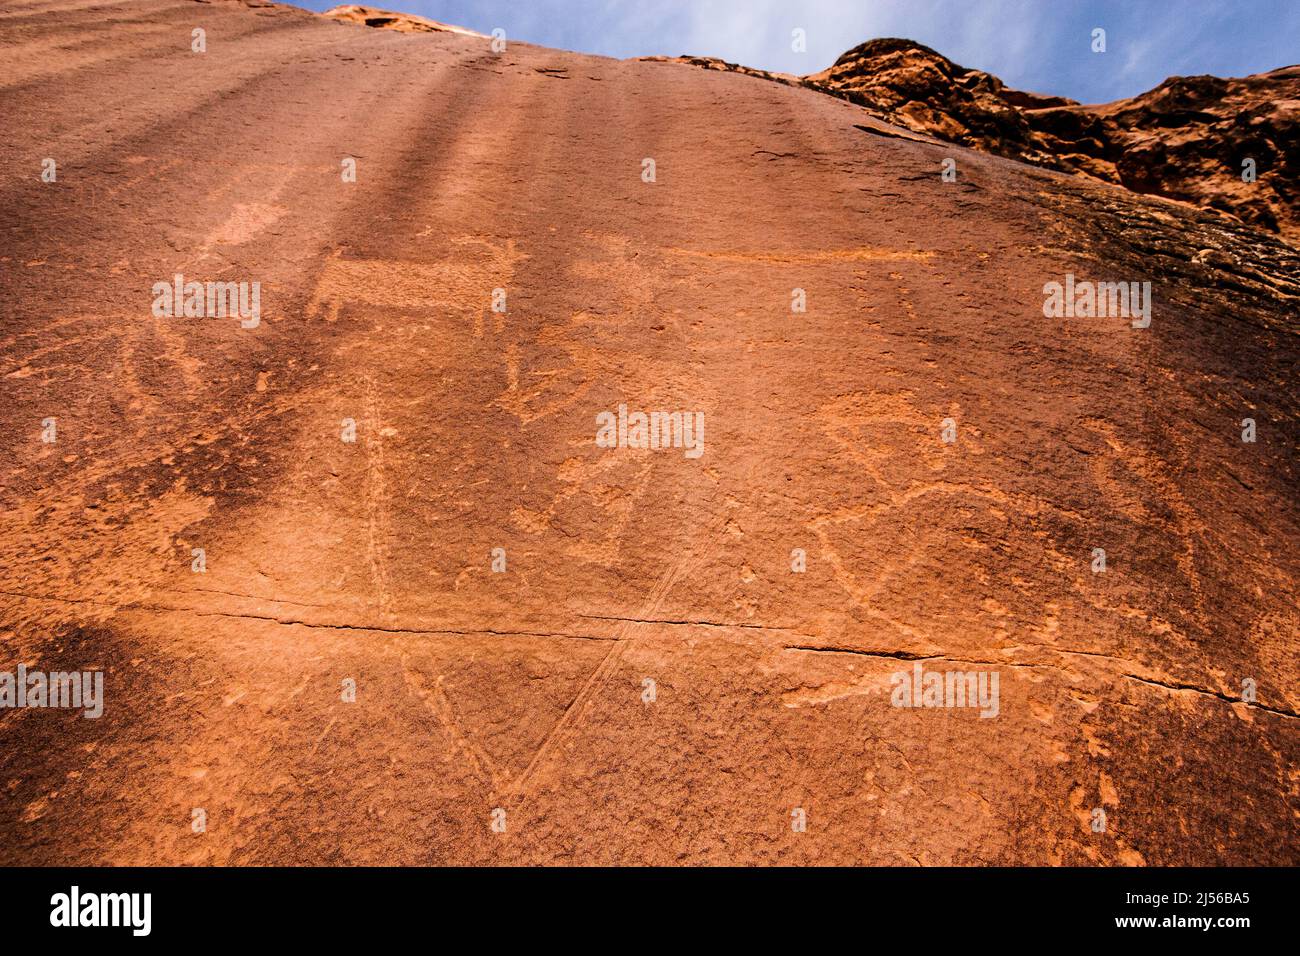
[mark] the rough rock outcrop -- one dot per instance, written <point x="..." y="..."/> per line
<point x="1186" y="139"/>
<point x="388" y="20"/>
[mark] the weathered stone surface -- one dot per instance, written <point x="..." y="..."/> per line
<point x="1186" y="139"/>
<point x="372" y="561"/>
<point x="388" y="20"/>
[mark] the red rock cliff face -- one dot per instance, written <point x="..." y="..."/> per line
<point x="913" y="472"/>
<point x="1189" y="137"/>
<point x="387" y="20"/>
<point x="1186" y="139"/>
<point x="913" y="86"/>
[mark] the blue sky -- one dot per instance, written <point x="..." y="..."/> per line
<point x="1039" y="45"/>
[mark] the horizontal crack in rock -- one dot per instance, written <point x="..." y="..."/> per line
<point x="162" y="608"/>
<point x="910" y="656"/>
<point x="1189" y="688"/>
<point x="640" y="620"/>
